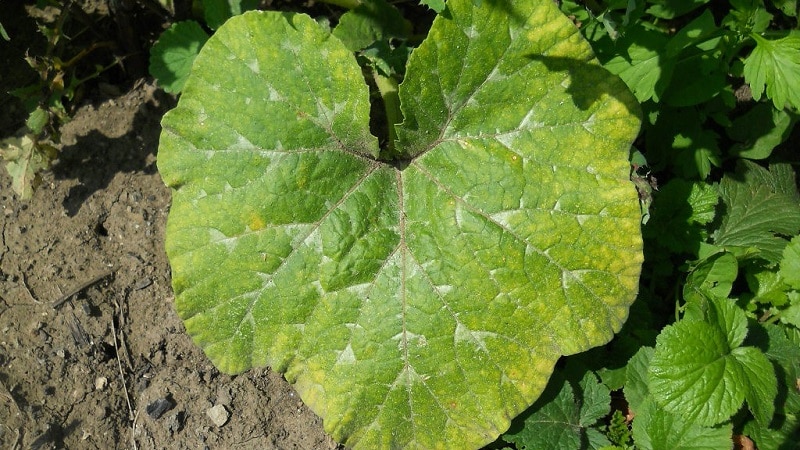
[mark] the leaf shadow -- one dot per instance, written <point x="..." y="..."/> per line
<point x="588" y="82"/>
<point x="119" y="135"/>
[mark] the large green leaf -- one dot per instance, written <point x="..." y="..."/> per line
<point x="415" y="303"/>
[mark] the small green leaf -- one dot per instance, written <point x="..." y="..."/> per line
<point x="679" y="215"/>
<point x="696" y="31"/>
<point x="562" y="422"/>
<point x="438" y="5"/>
<point x="767" y="286"/>
<point x="790" y="264"/>
<point x="596" y="402"/>
<point x="775" y="64"/>
<point x="784" y="436"/>
<point x="760" y="205"/>
<point x="641" y="62"/>
<point x="172" y="56"/>
<point x="760" y="130"/>
<point x="636" y="385"/>
<point x="761" y="387"/>
<point x="748" y="16"/>
<point x="786" y="355"/>
<point x="711" y="277"/>
<point x="37" y="120"/>
<point x="218" y="11"/>
<point x="654" y="428"/>
<point x="372" y="21"/>
<point x="553" y="424"/>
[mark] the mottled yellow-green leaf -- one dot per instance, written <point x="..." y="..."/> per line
<point x="418" y="302"/>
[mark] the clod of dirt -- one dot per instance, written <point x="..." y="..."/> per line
<point x="156" y="409"/>
<point x="218" y="414"/>
<point x="100" y="383"/>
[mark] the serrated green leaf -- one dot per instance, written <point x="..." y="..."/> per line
<point x="693" y="373"/>
<point x="562" y="422"/>
<point x="774" y="65"/>
<point x="760" y="130"/>
<point x="790" y="264"/>
<point x="656" y="429"/>
<point x="373" y="20"/>
<point x="762" y="387"/>
<point x="554" y="424"/>
<point x="760" y="204"/>
<point x="791" y="314"/>
<point x="636" y="385"/>
<point x="418" y="303"/>
<point x="767" y="286"/>
<point x="784" y="436"/>
<point x="786" y="355"/>
<point x="596" y="402"/>
<point x="699" y="371"/>
<point x="172" y="56"/>
<point x="37" y="120"/>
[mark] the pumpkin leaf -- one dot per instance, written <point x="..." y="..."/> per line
<point x="417" y="298"/>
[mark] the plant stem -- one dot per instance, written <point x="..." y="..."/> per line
<point x="387" y="86"/>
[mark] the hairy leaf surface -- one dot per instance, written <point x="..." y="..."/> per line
<point x="418" y="302"/>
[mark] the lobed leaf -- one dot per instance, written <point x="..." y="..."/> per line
<point x="774" y="66"/>
<point x="419" y="302"/>
<point x="171" y="57"/>
<point x="760" y="204"/>
<point x="563" y="421"/>
<point x="700" y="372"/>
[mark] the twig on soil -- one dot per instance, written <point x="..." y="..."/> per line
<point x="133" y="431"/>
<point x="131" y="415"/>
<point x="64" y="298"/>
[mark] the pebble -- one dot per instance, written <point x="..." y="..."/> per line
<point x="218" y="414"/>
<point x="159" y="407"/>
<point x="100" y="383"/>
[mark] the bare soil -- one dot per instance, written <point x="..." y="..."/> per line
<point x="111" y="365"/>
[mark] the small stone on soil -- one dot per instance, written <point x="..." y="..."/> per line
<point x="100" y="383"/>
<point x="218" y="414"/>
